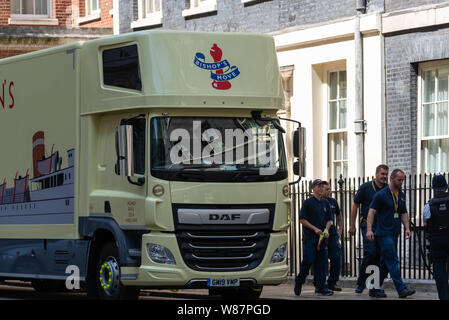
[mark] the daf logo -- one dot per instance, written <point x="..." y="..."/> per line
<point x="224" y="217"/>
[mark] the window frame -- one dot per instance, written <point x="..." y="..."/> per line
<point x="422" y="153"/>
<point x="145" y="19"/>
<point x="33" y="19"/>
<point x="338" y="131"/>
<point x="89" y="10"/>
<point x="101" y="71"/>
<point x="337" y="100"/>
<point x="90" y="15"/>
<point x="343" y="161"/>
<point x="206" y="6"/>
<point x="34" y="15"/>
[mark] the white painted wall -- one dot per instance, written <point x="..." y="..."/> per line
<point x="373" y="104"/>
<point x="312" y="58"/>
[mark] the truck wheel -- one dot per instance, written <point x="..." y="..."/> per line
<point x="108" y="276"/>
<point x="245" y="293"/>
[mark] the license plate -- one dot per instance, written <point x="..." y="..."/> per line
<point x="214" y="282"/>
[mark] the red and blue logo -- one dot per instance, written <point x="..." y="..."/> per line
<point x="221" y="71"/>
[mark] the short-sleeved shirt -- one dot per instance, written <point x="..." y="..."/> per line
<point x="335" y="211"/>
<point x="364" y="196"/>
<point x="316" y="212"/>
<point x="388" y="223"/>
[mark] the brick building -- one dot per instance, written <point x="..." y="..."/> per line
<point x="417" y="69"/>
<point x="38" y="24"/>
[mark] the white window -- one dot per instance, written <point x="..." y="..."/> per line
<point x="30" y="7"/>
<point x="92" y="7"/>
<point x="150" y="13"/>
<point x="32" y="12"/>
<point x="197" y="3"/>
<point x="93" y="12"/>
<point x="434" y="118"/>
<point x="200" y="7"/>
<point x="337" y="124"/>
<point x="151" y="6"/>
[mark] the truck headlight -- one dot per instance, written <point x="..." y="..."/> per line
<point x="279" y="254"/>
<point x="160" y="254"/>
<point x="285" y="191"/>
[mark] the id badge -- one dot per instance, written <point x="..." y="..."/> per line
<point x="396" y="215"/>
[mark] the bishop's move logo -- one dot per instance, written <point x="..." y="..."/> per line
<point x="223" y="70"/>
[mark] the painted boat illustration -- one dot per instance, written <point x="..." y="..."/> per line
<point x="47" y="197"/>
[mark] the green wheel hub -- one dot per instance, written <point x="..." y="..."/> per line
<point x="109" y="276"/>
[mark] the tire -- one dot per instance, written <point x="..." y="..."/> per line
<point x="107" y="277"/>
<point x="245" y="293"/>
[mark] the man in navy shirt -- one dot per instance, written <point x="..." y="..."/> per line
<point x="389" y="207"/>
<point x="333" y="243"/>
<point x="315" y="217"/>
<point x="371" y="253"/>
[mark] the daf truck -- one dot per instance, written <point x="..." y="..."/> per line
<point x="154" y="159"/>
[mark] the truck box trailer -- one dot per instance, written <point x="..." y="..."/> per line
<point x="148" y="160"/>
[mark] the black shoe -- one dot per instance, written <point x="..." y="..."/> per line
<point x="334" y="288"/>
<point x="325" y="293"/>
<point x="359" y="289"/>
<point x="377" y="293"/>
<point x="406" y="292"/>
<point x="297" y="289"/>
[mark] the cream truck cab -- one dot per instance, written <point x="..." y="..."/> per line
<point x="148" y="160"/>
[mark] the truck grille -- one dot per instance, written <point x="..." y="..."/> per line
<point x="221" y="251"/>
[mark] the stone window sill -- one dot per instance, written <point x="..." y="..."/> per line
<point x="205" y="8"/>
<point x="251" y="2"/>
<point x="153" y="19"/>
<point x="92" y="17"/>
<point x="32" y="20"/>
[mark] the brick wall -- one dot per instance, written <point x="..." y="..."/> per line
<point x="262" y="16"/>
<point x="5" y="53"/>
<point x="403" y="53"/>
<point x="62" y="11"/>
<point x="5" y="10"/>
<point x="392" y="5"/>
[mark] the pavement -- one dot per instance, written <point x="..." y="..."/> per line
<point x="425" y="290"/>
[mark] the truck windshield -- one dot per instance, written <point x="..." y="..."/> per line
<point x="216" y="149"/>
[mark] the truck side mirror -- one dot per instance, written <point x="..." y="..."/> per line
<point x="299" y="151"/>
<point x="296" y="168"/>
<point x="124" y="150"/>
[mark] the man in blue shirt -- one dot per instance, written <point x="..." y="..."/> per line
<point x="371" y="253"/>
<point x="389" y="207"/>
<point x="333" y="243"/>
<point x="315" y="217"/>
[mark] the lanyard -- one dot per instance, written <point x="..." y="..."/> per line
<point x="375" y="190"/>
<point x="395" y="201"/>
<point x="372" y="183"/>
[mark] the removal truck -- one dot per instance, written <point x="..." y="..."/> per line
<point x="120" y="165"/>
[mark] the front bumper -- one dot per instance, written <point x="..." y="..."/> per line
<point x="154" y="275"/>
